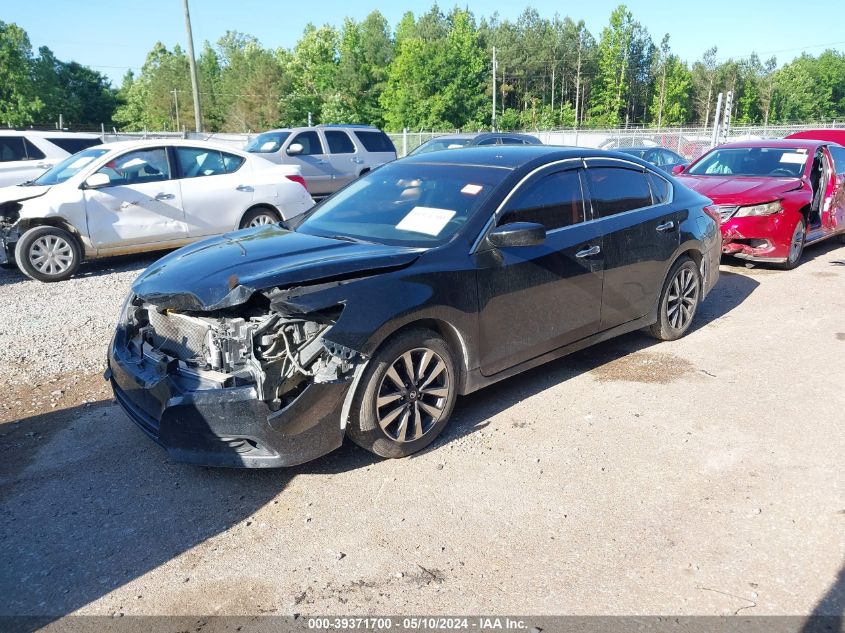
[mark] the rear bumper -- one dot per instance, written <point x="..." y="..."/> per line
<point x="226" y="426"/>
<point x="763" y="238"/>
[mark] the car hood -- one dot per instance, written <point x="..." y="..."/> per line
<point x="740" y="189"/>
<point x="17" y="193"/>
<point x="225" y="271"/>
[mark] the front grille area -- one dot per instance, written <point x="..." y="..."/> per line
<point x="178" y="335"/>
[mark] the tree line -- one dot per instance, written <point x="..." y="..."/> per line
<point x="433" y="71"/>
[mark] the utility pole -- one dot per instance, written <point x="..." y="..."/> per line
<point x="176" y="100"/>
<point x="494" y="88"/>
<point x="193" y="64"/>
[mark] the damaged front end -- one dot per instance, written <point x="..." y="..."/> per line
<point x="9" y="233"/>
<point x="253" y="385"/>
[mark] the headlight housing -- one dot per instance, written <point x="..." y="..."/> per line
<point x="126" y="309"/>
<point x="767" y="208"/>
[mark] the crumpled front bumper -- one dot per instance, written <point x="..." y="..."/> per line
<point x="760" y="238"/>
<point x="225" y="426"/>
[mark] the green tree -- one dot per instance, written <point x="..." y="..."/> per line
<point x="19" y="103"/>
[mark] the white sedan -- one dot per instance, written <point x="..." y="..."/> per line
<point x="131" y="197"/>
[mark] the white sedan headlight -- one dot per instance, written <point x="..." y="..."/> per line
<point x="768" y="208"/>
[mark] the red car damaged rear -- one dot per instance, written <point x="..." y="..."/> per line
<point x="773" y="196"/>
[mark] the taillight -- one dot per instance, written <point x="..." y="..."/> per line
<point x="713" y="213"/>
<point x="298" y="179"/>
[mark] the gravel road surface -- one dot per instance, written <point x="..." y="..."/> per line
<point x="702" y="476"/>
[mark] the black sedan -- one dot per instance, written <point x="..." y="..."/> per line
<point x="429" y="278"/>
<point x="660" y="157"/>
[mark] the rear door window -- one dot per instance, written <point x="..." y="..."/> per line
<point x="232" y="162"/>
<point x="489" y="141"/>
<point x="339" y="142"/>
<point x="375" y="141"/>
<point x="617" y="190"/>
<point x="72" y="145"/>
<point x="310" y="142"/>
<point x="195" y="162"/>
<point x="12" y="149"/>
<point x="32" y="152"/>
<point x="661" y="190"/>
<point x="555" y="200"/>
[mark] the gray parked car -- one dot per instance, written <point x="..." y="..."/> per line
<point x="455" y="141"/>
<point x="330" y="156"/>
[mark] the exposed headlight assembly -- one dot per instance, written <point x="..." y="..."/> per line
<point x="768" y="208"/>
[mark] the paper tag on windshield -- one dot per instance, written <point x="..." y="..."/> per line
<point x="796" y="159"/>
<point x="427" y="220"/>
<point x="472" y="190"/>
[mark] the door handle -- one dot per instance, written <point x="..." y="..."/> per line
<point x="43" y="165"/>
<point x="588" y="252"/>
<point x="666" y="226"/>
<point x="357" y="160"/>
<point x="164" y="196"/>
<point x="247" y="188"/>
<point x="320" y="161"/>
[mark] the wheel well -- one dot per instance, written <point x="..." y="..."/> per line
<point x="261" y="205"/>
<point x="59" y="223"/>
<point x="448" y="333"/>
<point x="363" y="171"/>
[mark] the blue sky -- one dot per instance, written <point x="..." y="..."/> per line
<point x="113" y="36"/>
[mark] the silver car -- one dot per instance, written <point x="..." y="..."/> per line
<point x="330" y="156"/>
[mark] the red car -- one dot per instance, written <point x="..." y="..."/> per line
<point x="774" y="197"/>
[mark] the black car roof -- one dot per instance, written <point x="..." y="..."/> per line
<point x="512" y="156"/>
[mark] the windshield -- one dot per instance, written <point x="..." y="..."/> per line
<point x="437" y="144"/>
<point x="407" y="204"/>
<point x="752" y="161"/>
<point x="69" y="167"/>
<point x="267" y="143"/>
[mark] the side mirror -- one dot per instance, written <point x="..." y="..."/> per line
<point x="295" y="148"/>
<point x="95" y="181"/>
<point x="678" y="169"/>
<point x="517" y="234"/>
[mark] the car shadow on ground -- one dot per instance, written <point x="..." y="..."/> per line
<point x="89" y="503"/>
<point x="10" y="275"/>
<point x="829" y="614"/>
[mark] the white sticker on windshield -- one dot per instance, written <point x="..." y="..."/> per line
<point x="472" y="190"/>
<point x="427" y="220"/>
<point x="795" y="159"/>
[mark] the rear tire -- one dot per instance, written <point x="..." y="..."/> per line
<point x="679" y="301"/>
<point x="48" y="253"/>
<point x="397" y="411"/>
<point x="260" y="216"/>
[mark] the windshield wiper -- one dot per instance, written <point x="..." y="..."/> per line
<point x="346" y="238"/>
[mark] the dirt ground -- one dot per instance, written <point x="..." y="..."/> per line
<point x="702" y="476"/>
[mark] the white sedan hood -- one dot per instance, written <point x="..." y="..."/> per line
<point x="16" y="193"/>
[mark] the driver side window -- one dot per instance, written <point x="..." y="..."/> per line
<point x="138" y="167"/>
<point x="555" y="200"/>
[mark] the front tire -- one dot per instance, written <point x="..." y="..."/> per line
<point x="679" y="301"/>
<point x="406" y="395"/>
<point x="260" y="216"/>
<point x="796" y="246"/>
<point x="48" y="253"/>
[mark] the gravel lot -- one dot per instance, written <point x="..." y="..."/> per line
<point x="702" y="476"/>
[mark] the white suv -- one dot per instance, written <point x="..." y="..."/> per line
<point x="330" y="156"/>
<point x="26" y="154"/>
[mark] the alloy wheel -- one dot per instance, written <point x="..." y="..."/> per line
<point x="797" y="243"/>
<point x="412" y="395"/>
<point x="682" y="298"/>
<point x="51" y="255"/>
<point x="261" y="220"/>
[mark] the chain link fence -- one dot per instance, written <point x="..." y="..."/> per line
<point x="689" y="142"/>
